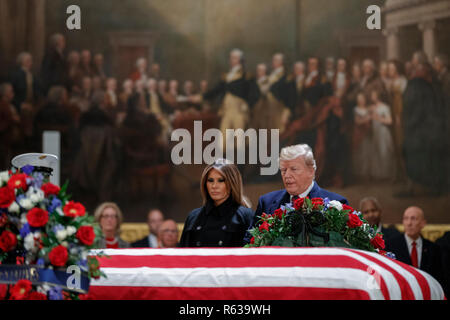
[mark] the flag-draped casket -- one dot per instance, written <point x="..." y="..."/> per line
<point x="267" y="273"/>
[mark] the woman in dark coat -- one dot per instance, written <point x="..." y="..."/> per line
<point x="224" y="217"/>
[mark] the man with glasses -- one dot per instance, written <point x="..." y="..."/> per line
<point x="168" y="234"/>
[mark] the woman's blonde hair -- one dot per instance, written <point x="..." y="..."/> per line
<point x="233" y="181"/>
<point x="99" y="211"/>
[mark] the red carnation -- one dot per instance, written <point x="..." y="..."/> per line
<point x="3" y="220"/>
<point x="50" y="188"/>
<point x="8" y="241"/>
<point x="252" y="240"/>
<point x="74" y="209"/>
<point x="18" y="180"/>
<point x="20" y="290"/>
<point x="7" y="197"/>
<point x="378" y="242"/>
<point x="37" y="217"/>
<point x="316" y="202"/>
<point x="58" y="256"/>
<point x="278" y="213"/>
<point x="86" y="235"/>
<point x="298" y="203"/>
<point x="37" y="296"/>
<point x="347" y="207"/>
<point x="264" y="226"/>
<point x="353" y="221"/>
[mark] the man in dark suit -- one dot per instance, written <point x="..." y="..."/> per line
<point x="412" y="248"/>
<point x="25" y="83"/>
<point x="444" y="245"/>
<point x="371" y="211"/>
<point x="298" y="167"/>
<point x="54" y="64"/>
<point x="154" y="220"/>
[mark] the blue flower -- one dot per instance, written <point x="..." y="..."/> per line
<point x="25" y="230"/>
<point x="54" y="205"/>
<point x="38" y="180"/>
<point x="83" y="264"/>
<point x="28" y="169"/>
<point x="391" y="255"/>
<point x="40" y="262"/>
<point x="57" y="228"/>
<point x="55" y="293"/>
<point x="289" y="206"/>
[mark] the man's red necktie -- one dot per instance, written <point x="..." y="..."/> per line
<point x="414" y="259"/>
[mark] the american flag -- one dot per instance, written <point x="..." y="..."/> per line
<point x="267" y="273"/>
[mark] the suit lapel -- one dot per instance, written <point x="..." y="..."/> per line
<point x="280" y="201"/>
<point x="404" y="251"/>
<point x="315" y="191"/>
<point x="425" y="254"/>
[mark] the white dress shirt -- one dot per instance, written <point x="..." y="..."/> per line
<point x="153" y="241"/>
<point x="419" y="243"/>
<point x="307" y="191"/>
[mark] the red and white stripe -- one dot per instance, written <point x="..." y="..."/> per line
<point x="259" y="274"/>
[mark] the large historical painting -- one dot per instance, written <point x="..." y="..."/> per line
<point x="373" y="103"/>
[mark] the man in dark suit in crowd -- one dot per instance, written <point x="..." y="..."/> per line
<point x="444" y="245"/>
<point x="54" y="64"/>
<point x="371" y="211"/>
<point x="25" y="83"/>
<point x="154" y="220"/>
<point x="412" y="248"/>
<point x="298" y="167"/>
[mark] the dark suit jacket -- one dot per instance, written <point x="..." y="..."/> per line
<point x="143" y="243"/>
<point x="238" y="87"/>
<point x="269" y="202"/>
<point x="389" y="233"/>
<point x="444" y="245"/>
<point x="431" y="256"/>
<point x="19" y="83"/>
<point x="235" y="231"/>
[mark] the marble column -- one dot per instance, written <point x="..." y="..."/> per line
<point x="392" y="43"/>
<point x="429" y="38"/>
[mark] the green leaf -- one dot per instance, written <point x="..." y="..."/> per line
<point x="283" y="242"/>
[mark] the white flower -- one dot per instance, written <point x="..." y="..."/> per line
<point x="29" y="243"/>
<point x="366" y="227"/>
<point x="35" y="195"/>
<point x="74" y="250"/>
<point x="84" y="255"/>
<point x="61" y="235"/>
<point x="23" y="218"/>
<point x="4" y="177"/>
<point x="59" y="211"/>
<point x="43" y="288"/>
<point x="14" y="208"/>
<point x="65" y="244"/>
<point x="335" y="204"/>
<point x="26" y="203"/>
<point x="71" y="230"/>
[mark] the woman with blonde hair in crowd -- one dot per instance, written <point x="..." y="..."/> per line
<point x="225" y="216"/>
<point x="110" y="217"/>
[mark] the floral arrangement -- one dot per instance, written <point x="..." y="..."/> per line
<point x="316" y="222"/>
<point x="40" y="226"/>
